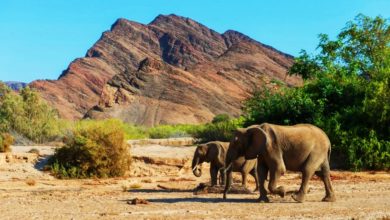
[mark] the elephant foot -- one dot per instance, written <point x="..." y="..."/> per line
<point x="263" y="199"/>
<point x="299" y="197"/>
<point x="329" y="198"/>
<point x="281" y="191"/>
<point x="255" y="190"/>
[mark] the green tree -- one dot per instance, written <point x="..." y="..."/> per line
<point x="346" y="92"/>
<point x="27" y="114"/>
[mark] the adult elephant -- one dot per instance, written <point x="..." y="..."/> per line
<point x="303" y="147"/>
<point x="215" y="153"/>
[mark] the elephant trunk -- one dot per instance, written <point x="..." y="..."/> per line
<point x="228" y="168"/>
<point x="195" y="169"/>
<point x="230" y="157"/>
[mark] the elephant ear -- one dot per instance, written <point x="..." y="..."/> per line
<point x="257" y="142"/>
<point x="213" y="152"/>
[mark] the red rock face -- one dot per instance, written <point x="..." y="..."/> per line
<point x="173" y="70"/>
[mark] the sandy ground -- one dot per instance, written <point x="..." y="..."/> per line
<point x="27" y="193"/>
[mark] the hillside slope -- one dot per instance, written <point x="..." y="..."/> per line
<point x="172" y="70"/>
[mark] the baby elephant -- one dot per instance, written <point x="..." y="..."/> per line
<point x="215" y="153"/>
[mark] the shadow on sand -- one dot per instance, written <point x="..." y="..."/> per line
<point x="160" y="190"/>
<point x="42" y="162"/>
<point x="198" y="199"/>
<point x="210" y="200"/>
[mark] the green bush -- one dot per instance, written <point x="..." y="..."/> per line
<point x="6" y="140"/>
<point x="93" y="149"/>
<point x="220" y="118"/>
<point x="172" y="131"/>
<point x="135" y="132"/>
<point x="368" y="153"/>
<point x="221" y="131"/>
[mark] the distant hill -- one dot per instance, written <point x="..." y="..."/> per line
<point x="172" y="70"/>
<point x="16" y="85"/>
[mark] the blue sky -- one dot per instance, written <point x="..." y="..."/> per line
<point x="39" y="38"/>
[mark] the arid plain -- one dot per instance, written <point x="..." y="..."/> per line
<point x="162" y="176"/>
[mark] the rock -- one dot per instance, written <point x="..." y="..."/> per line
<point x="18" y="157"/>
<point x="173" y="70"/>
<point x="138" y="201"/>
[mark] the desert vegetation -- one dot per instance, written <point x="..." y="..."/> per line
<point x="220" y="128"/>
<point x="28" y="115"/>
<point x="346" y="93"/>
<point x="92" y="149"/>
<point x="5" y="142"/>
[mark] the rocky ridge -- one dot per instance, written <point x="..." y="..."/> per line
<point x="172" y="70"/>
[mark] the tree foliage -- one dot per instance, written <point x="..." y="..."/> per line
<point x="346" y="93"/>
<point x="27" y="114"/>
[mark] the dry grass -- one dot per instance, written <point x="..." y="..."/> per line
<point x="135" y="186"/>
<point x="147" y="181"/>
<point x="131" y="186"/>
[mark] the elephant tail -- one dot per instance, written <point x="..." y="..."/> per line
<point x="329" y="152"/>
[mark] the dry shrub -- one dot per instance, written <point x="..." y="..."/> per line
<point x="135" y="186"/>
<point x="131" y="186"/>
<point x="6" y="140"/>
<point x="31" y="182"/>
<point x="93" y="149"/>
<point x="147" y="181"/>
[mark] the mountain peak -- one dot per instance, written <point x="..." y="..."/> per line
<point x="134" y="67"/>
<point x="119" y="22"/>
<point x="168" y="18"/>
<point x="233" y="37"/>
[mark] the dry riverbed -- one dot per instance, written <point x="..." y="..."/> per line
<point x="163" y="177"/>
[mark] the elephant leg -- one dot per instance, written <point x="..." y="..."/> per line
<point x="255" y="175"/>
<point x="222" y="177"/>
<point x="213" y="174"/>
<point x="300" y="195"/>
<point x="244" y="178"/>
<point x="262" y="173"/>
<point x="275" y="174"/>
<point x="324" y="174"/>
<point x="229" y="178"/>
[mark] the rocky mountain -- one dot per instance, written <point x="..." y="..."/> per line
<point x="15" y="85"/>
<point x="172" y="70"/>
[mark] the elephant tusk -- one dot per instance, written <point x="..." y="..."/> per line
<point x="195" y="167"/>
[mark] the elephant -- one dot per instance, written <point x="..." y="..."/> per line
<point x="214" y="152"/>
<point x="303" y="147"/>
